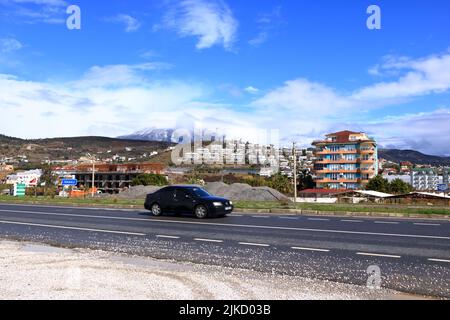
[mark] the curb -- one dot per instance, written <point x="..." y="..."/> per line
<point x="299" y="212"/>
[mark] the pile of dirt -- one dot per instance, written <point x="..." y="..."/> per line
<point x="137" y="192"/>
<point x="236" y="192"/>
<point x="244" y="192"/>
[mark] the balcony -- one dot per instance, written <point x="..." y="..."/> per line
<point x="340" y="161"/>
<point x="367" y="151"/>
<point x="325" y="152"/>
<point x="324" y="171"/>
<point x="342" y="180"/>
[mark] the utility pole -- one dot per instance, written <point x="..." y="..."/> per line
<point x="93" y="176"/>
<point x="93" y="173"/>
<point x="294" y="153"/>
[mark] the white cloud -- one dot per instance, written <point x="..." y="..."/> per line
<point x="54" y="3"/>
<point x="267" y="23"/>
<point x="251" y="90"/>
<point x="302" y="97"/>
<point x="421" y="77"/>
<point x="110" y="101"/>
<point x="8" y="45"/>
<point x="119" y="75"/>
<point x="35" y="11"/>
<point x="428" y="132"/>
<point x="425" y="76"/>
<point x="131" y="23"/>
<point x="212" y="22"/>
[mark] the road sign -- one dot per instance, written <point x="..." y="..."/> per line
<point x="19" y="189"/>
<point x="69" y="182"/>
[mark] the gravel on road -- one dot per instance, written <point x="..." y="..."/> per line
<point x="35" y="271"/>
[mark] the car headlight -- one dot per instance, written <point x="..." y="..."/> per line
<point x="231" y="203"/>
<point x="217" y="204"/>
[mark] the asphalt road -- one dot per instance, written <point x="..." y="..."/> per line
<point x="413" y="255"/>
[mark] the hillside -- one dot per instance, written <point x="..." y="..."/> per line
<point x="412" y="156"/>
<point x="76" y="147"/>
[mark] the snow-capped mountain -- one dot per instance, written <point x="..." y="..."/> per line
<point x="173" y="135"/>
<point x="152" y="134"/>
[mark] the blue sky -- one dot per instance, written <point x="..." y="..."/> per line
<point x="304" y="68"/>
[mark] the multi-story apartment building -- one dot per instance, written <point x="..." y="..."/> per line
<point x="424" y="179"/>
<point x="446" y="176"/>
<point x="345" y="160"/>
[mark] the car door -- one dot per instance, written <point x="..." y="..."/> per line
<point x="182" y="201"/>
<point x="167" y="199"/>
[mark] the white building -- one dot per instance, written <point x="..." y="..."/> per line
<point x="423" y="179"/>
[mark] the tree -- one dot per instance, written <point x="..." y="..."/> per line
<point x="378" y="184"/>
<point x="48" y="177"/>
<point x="150" y="180"/>
<point x="398" y="186"/>
<point x="281" y="183"/>
<point x="305" y="180"/>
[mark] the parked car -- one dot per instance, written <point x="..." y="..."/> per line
<point x="187" y="199"/>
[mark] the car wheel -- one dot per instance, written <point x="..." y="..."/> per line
<point x="156" y="210"/>
<point x="201" y="212"/>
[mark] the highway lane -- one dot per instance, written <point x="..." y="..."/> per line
<point x="413" y="254"/>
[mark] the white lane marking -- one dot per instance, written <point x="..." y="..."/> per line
<point x="254" y="244"/>
<point x="386" y="222"/>
<point x="71" y="228"/>
<point x="318" y="219"/>
<point x="310" y="249"/>
<point x="260" y="217"/>
<point x="240" y="225"/>
<point x="167" y="237"/>
<point x="66" y="207"/>
<point x="235" y="215"/>
<point x="378" y="255"/>
<point x="288" y="218"/>
<point x="352" y="221"/>
<point x="208" y="240"/>
<point x="439" y="260"/>
<point x="427" y="224"/>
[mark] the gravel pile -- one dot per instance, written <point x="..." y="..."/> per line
<point x="137" y="192"/>
<point x="236" y="192"/>
<point x="244" y="192"/>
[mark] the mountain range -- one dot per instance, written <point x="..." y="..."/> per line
<point x="37" y="150"/>
<point x="412" y="156"/>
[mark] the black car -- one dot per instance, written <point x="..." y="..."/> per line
<point x="187" y="199"/>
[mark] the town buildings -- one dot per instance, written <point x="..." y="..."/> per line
<point x="345" y="160"/>
<point x="430" y="179"/>
<point x="108" y="178"/>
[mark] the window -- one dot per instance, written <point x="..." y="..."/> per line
<point x="200" y="192"/>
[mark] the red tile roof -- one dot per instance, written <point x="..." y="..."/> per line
<point x="322" y="191"/>
<point x="342" y="133"/>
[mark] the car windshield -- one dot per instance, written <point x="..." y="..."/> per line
<point x="200" y="192"/>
